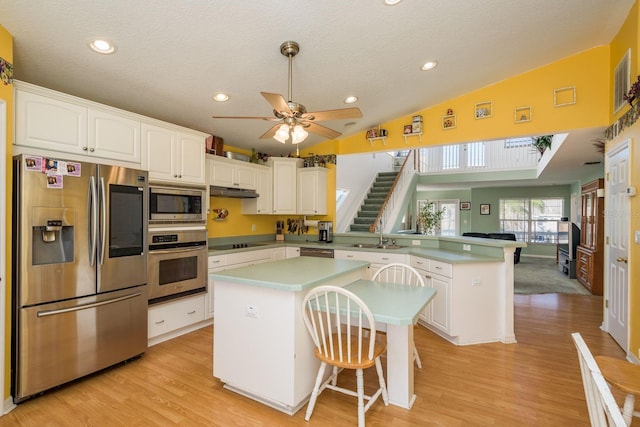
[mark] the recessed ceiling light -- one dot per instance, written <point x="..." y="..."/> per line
<point x="220" y="97"/>
<point x="103" y="46"/>
<point x="429" y="65"/>
<point x="350" y="99"/>
<point x="392" y="2"/>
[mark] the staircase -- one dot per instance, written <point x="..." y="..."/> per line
<point x="373" y="203"/>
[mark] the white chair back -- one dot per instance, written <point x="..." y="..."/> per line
<point x="603" y="409"/>
<point x="399" y="273"/>
<point x="336" y="320"/>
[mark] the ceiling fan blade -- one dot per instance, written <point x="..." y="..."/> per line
<point x="277" y="101"/>
<point x="243" y="117"/>
<point x="270" y="132"/>
<point x="341" y="113"/>
<point x="322" y="130"/>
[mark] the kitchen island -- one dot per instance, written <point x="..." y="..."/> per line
<point x="261" y="347"/>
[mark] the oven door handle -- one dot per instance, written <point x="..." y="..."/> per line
<point x="175" y="251"/>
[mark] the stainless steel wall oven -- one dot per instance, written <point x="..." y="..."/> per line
<point x="177" y="263"/>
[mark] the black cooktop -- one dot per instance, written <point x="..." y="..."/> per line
<point x="234" y="246"/>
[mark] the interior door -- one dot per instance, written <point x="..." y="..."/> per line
<point x="617" y="244"/>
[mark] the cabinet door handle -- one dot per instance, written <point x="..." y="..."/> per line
<point x="84" y="148"/>
<point x="192" y="312"/>
<point x="92" y="149"/>
<point x="159" y="322"/>
<point x="620" y="259"/>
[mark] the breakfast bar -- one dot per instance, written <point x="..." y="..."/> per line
<point x="261" y="348"/>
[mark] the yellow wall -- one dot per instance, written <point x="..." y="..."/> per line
<point x="237" y="224"/>
<point x="6" y="94"/>
<point x="627" y="38"/>
<point x="588" y="71"/>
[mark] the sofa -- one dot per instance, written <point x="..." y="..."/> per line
<point x="501" y="236"/>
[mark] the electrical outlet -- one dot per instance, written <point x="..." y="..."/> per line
<point x="253" y="227"/>
<point x="252" y="311"/>
<point x="466" y="247"/>
<point x="636" y="237"/>
<point x="476" y="282"/>
<point x="415" y="242"/>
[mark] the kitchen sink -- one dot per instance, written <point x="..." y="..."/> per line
<point x="376" y="246"/>
<point x="366" y="245"/>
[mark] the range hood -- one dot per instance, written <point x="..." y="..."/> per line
<point x="238" y="193"/>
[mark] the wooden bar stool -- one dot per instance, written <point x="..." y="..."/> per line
<point x="625" y="376"/>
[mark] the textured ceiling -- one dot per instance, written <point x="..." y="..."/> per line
<point x="174" y="55"/>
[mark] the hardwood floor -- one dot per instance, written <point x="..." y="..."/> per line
<point x="535" y="382"/>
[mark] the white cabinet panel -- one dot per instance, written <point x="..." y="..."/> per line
<point x="231" y="173"/>
<point x="160" y="145"/>
<point x="263" y="204"/>
<point x="113" y="136"/>
<point x="191" y="158"/>
<point x="284" y="184"/>
<point x="172" y="316"/>
<point x="312" y="191"/>
<point x="50" y="124"/>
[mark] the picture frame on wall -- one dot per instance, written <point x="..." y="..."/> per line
<point x="485" y="209"/>
<point x="465" y="206"/>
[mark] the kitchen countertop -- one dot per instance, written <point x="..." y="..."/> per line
<point x="451" y="257"/>
<point x="293" y="274"/>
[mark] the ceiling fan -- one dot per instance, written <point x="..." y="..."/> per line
<point x="292" y="117"/>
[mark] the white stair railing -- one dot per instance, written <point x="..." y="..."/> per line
<point x="393" y="203"/>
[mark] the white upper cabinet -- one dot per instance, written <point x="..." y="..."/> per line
<point x="312" y="191"/>
<point x="50" y="124"/>
<point x="172" y="156"/>
<point x="113" y="136"/>
<point x="54" y="123"/>
<point x="285" y="179"/>
<point x="224" y="172"/>
<point x="191" y="158"/>
<point x="263" y="204"/>
<point x="160" y="146"/>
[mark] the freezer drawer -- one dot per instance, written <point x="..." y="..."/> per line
<point x="60" y="342"/>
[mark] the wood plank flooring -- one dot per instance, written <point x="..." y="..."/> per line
<point x="535" y="382"/>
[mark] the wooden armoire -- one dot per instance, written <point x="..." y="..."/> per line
<point x="590" y="252"/>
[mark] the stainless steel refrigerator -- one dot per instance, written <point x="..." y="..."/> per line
<point x="79" y="270"/>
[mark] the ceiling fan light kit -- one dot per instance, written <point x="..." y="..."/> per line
<point x="292" y="118"/>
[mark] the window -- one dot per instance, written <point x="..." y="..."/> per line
<point x="449" y="222"/>
<point x="621" y="81"/>
<point x="532" y="220"/>
<point x="341" y="196"/>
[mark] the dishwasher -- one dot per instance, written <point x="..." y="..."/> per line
<point x="316" y="252"/>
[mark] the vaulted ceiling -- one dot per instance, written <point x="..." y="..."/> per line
<point x="173" y="56"/>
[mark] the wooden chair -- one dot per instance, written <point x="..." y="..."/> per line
<point x="405" y="275"/>
<point x="603" y="409"/>
<point x="336" y="320"/>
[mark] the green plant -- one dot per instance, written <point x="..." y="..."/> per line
<point x="542" y="142"/>
<point x="429" y="217"/>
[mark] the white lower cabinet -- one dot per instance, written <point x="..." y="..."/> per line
<point x="292" y="252"/>
<point x="377" y="259"/>
<point x="437" y="275"/>
<point x="175" y="318"/>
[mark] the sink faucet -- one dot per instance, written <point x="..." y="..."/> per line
<point x="382" y="240"/>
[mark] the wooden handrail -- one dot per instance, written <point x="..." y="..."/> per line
<point x="372" y="227"/>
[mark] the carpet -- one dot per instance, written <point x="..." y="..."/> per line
<point x="541" y="276"/>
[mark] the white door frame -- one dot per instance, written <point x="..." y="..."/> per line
<point x="3" y="245"/>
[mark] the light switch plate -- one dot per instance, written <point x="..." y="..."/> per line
<point x="636" y="237"/>
<point x="466" y="247"/>
<point x="415" y="242"/>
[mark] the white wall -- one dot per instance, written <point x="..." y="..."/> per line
<point x="356" y="173"/>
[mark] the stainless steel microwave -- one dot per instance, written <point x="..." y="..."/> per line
<point x="177" y="204"/>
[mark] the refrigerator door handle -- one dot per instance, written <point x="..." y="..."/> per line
<point x="103" y="225"/>
<point x="93" y="221"/>
<point x="86" y="306"/>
